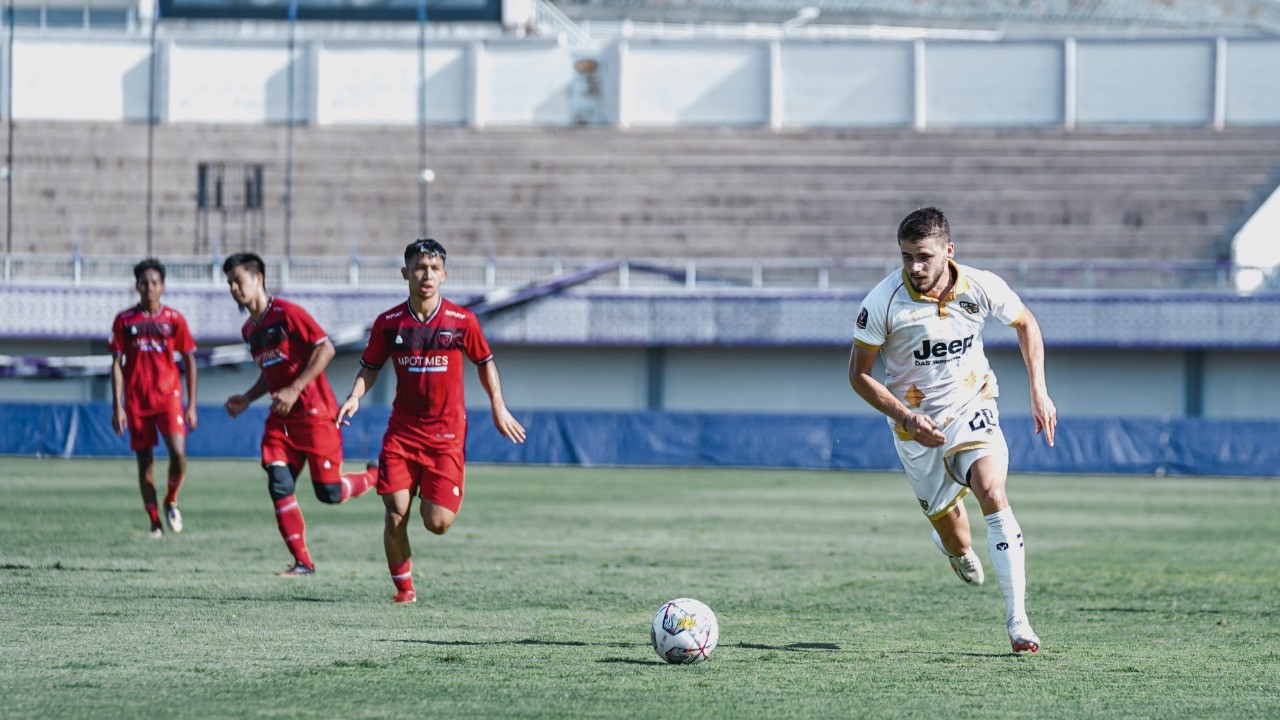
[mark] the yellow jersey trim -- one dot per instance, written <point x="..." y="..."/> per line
<point x="951" y="505"/>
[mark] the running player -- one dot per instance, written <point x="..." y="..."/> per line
<point x="146" y="394"/>
<point x="939" y="395"/>
<point x="292" y="351"/>
<point x="423" y="451"/>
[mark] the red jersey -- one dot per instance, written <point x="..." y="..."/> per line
<point x="427" y="357"/>
<point x="281" y="343"/>
<point x="148" y="342"/>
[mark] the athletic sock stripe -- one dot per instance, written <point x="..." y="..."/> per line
<point x="286" y="508"/>
<point x="404" y="576"/>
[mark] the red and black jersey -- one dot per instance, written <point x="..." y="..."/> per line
<point x="427" y="357"/>
<point x="281" y="343"/>
<point x="148" y="343"/>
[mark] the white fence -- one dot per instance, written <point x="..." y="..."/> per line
<point x="669" y="275"/>
<point x="780" y="83"/>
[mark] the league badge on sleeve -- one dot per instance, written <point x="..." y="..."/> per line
<point x="862" y="319"/>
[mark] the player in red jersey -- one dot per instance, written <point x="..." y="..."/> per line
<point x="292" y="352"/>
<point x="143" y="341"/>
<point x="423" y="451"/>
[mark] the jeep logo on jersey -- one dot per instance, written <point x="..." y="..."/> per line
<point x="862" y="319"/>
<point x="969" y="307"/>
<point x="943" y="349"/>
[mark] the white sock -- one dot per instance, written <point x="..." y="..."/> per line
<point x="1008" y="556"/>
<point x="937" y="540"/>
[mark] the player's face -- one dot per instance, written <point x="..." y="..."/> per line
<point x="150" y="287"/>
<point x="244" y="285"/>
<point x="925" y="261"/>
<point x="425" y="274"/>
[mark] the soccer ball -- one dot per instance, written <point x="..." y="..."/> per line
<point x="684" y="631"/>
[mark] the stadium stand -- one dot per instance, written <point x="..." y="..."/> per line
<point x="576" y="193"/>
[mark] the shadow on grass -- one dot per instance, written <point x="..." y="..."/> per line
<point x="1175" y="611"/>
<point x="630" y="661"/>
<point x="241" y="599"/>
<point x="790" y="647"/>
<point x="526" y="641"/>
<point x="65" y="568"/>
<point x="940" y="653"/>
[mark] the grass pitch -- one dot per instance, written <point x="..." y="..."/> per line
<point x="1154" y="598"/>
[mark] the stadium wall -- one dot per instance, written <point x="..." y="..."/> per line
<point x="659" y="82"/>
<point x="1084" y="445"/>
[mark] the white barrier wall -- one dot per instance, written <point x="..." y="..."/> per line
<point x="846" y="83"/>
<point x="655" y="83"/>
<point x="236" y="83"/>
<point x="695" y="83"/>
<point x="359" y="85"/>
<point x="1141" y="81"/>
<point x="80" y="80"/>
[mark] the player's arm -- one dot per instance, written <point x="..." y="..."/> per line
<point x="118" y="419"/>
<point x="189" y="364"/>
<point x="283" y="399"/>
<point x="502" y="418"/>
<point x="237" y="404"/>
<point x="364" y="380"/>
<point x="1031" y="343"/>
<point x="922" y="427"/>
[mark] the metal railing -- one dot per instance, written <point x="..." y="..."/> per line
<point x="674" y="275"/>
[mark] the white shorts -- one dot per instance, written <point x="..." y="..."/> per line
<point x="938" y="475"/>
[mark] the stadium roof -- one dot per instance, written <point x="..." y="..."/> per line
<point x="1248" y="17"/>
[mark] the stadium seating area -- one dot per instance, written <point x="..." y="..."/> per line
<point x="1096" y="193"/>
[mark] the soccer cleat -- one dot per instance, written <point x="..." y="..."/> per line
<point x="156" y="532"/>
<point x="1022" y="637"/>
<point x="298" y="570"/>
<point x="405" y="596"/>
<point x="173" y="518"/>
<point x="967" y="567"/>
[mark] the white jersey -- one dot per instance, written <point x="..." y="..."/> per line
<point x="932" y="349"/>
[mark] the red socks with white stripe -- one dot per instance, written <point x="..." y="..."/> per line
<point x="293" y="529"/>
<point x="402" y="575"/>
<point x="152" y="513"/>
<point x="357" y="484"/>
<point x="175" y="484"/>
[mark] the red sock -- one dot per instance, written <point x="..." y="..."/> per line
<point x="152" y="513"/>
<point x="357" y="484"/>
<point x="293" y="529"/>
<point x="175" y="484"/>
<point x="401" y="574"/>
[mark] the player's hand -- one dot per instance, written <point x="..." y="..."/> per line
<point x="192" y="419"/>
<point x="1046" y="416"/>
<point x="236" y="404"/>
<point x="282" y="400"/>
<point x="510" y="428"/>
<point x="923" y="430"/>
<point x="119" y="421"/>
<point x="349" y="408"/>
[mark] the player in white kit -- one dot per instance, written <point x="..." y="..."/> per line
<point x="939" y="395"/>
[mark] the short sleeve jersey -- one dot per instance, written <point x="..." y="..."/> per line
<point x="428" y="361"/>
<point x="281" y="343"/>
<point x="932" y="349"/>
<point x="147" y="343"/>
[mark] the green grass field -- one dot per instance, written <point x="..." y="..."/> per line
<point x="1154" y="598"/>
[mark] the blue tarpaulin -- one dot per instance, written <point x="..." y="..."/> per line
<point x="1184" y="446"/>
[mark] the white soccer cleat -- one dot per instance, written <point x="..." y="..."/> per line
<point x="1022" y="637"/>
<point x="173" y="518"/>
<point x="156" y="532"/>
<point x="967" y="567"/>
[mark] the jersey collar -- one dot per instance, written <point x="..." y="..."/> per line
<point x="271" y="300"/>
<point x="961" y="286"/>
<point x="408" y="307"/>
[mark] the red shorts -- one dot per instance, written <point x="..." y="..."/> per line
<point x="435" y="474"/>
<point x="316" y="444"/>
<point x="166" y="418"/>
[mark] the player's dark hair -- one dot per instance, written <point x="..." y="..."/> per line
<point x="247" y="260"/>
<point x="148" y="264"/>
<point x="929" y="222"/>
<point x="424" y="246"/>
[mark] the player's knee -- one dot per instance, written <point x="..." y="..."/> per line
<point x="280" y="481"/>
<point x="436" y="525"/>
<point x="328" y="493"/>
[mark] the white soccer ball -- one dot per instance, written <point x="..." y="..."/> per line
<point x="684" y="631"/>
